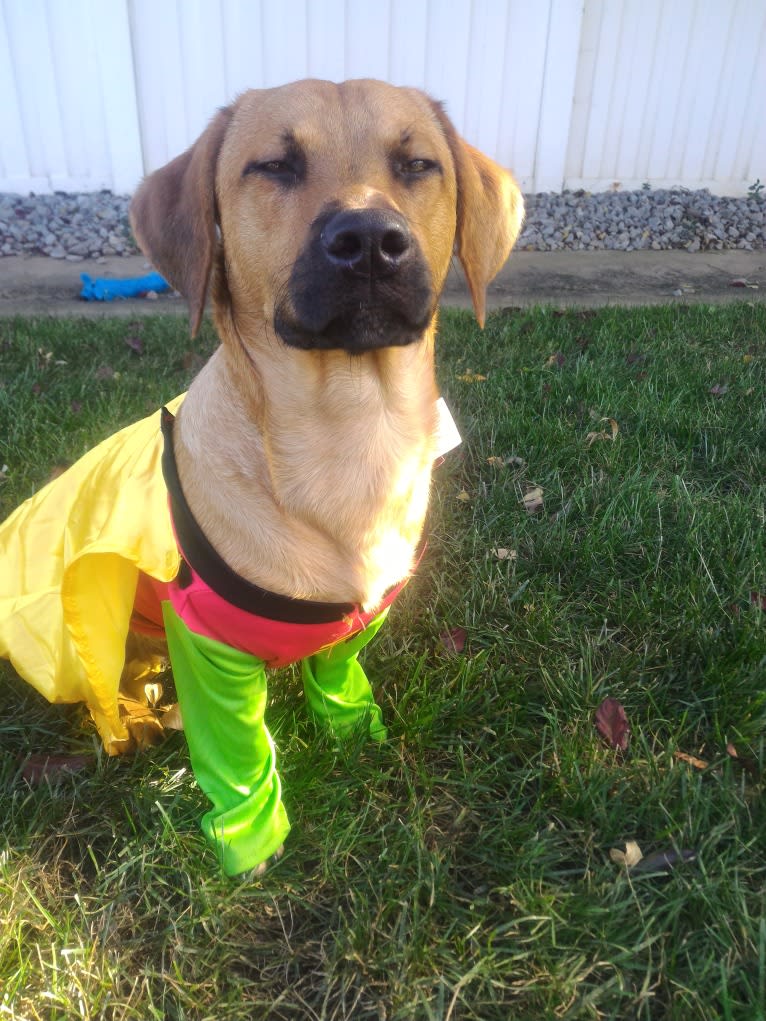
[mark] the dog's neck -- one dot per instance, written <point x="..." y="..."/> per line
<point x="320" y="452"/>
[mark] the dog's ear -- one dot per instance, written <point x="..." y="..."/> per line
<point x="173" y="216"/>
<point x="490" y="212"/>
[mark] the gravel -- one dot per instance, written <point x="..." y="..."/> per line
<point x="76" y="227"/>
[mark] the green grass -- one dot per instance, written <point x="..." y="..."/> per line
<point x="461" y="871"/>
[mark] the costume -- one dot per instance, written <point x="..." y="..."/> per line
<point x="96" y="552"/>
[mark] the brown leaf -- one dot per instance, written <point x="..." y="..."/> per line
<point x="612" y="724"/>
<point x="135" y="343"/>
<point x="496" y="462"/>
<point x="104" y="372"/>
<point x="749" y="765"/>
<point x="533" y="500"/>
<point x="463" y="496"/>
<point x="58" y="469"/>
<point x="453" y="640"/>
<point x="719" y="389"/>
<point x="691" y="759"/>
<point x="630" y="857"/>
<point x="52" y="767"/>
<point x="603" y="435"/>
<point x="472" y="377"/>
<point x="557" y="359"/>
<point x="758" y="599"/>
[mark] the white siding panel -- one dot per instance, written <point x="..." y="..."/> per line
<point x="409" y="25"/>
<point x="15" y="172"/>
<point x="368" y="24"/>
<point x="327" y="40"/>
<point x="244" y="46"/>
<point x="557" y="97"/>
<point x="447" y="49"/>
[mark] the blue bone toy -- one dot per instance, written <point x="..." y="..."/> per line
<point x="103" y="289"/>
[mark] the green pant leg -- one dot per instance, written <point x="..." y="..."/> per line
<point x="337" y="689"/>
<point x="222" y="693"/>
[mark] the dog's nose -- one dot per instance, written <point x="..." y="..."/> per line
<point x="367" y="242"/>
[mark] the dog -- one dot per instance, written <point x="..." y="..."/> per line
<point x="276" y="510"/>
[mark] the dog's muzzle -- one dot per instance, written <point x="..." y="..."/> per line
<point x="361" y="282"/>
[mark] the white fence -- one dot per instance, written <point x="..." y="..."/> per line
<point x="568" y="93"/>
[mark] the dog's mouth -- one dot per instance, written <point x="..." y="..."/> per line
<point x="363" y="328"/>
<point x="361" y="283"/>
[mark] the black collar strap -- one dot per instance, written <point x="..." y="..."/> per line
<point x="215" y="572"/>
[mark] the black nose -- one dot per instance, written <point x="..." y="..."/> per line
<point x="366" y="242"/>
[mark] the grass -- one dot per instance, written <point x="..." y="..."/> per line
<point x="462" y="870"/>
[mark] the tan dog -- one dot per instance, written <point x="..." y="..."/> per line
<point x="300" y="459"/>
<point x="328" y="215"/>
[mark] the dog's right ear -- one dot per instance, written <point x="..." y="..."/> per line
<point x="173" y="215"/>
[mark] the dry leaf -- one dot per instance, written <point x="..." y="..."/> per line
<point x="629" y="857"/>
<point x="463" y="496"/>
<point x="496" y="462"/>
<point x="52" y="767"/>
<point x="603" y="435"/>
<point x="758" y="599"/>
<point x="171" y="719"/>
<point x="505" y="554"/>
<point x="557" y="359"/>
<point x="472" y="377"/>
<point x="691" y="759"/>
<point x="533" y="500"/>
<point x="135" y="343"/>
<point x="453" y="640"/>
<point x="515" y="462"/>
<point x="612" y="724"/>
<point x="719" y="389"/>
<point x="104" y="372"/>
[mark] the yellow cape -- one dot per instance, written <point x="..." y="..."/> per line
<point x="69" y="563"/>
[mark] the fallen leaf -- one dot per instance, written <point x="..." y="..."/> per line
<point x="52" y="767"/>
<point x="635" y="358"/>
<point x="758" y="599"/>
<point x="4" y="469"/>
<point x="472" y="377"/>
<point x="104" y="372"/>
<point x="557" y="359"/>
<point x="453" y="640"/>
<point x="515" y="462"/>
<point x="664" y="861"/>
<point x="603" y="435"/>
<point x="719" y="389"/>
<point x="135" y="343"/>
<point x="612" y="724"/>
<point x="739" y="282"/>
<point x="171" y="719"/>
<point x="630" y="857"/>
<point x="58" y="470"/>
<point x="749" y="765"/>
<point x="496" y="462"/>
<point x="533" y="500"/>
<point x="505" y="554"/>
<point x="691" y="759"/>
<point x="463" y="496"/>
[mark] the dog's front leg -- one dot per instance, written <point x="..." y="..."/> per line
<point x="337" y="689"/>
<point x="222" y="693"/>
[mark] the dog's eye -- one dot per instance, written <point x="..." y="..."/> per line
<point x="416" y="167"/>
<point x="286" y="172"/>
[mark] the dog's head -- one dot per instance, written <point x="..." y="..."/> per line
<point x="332" y="212"/>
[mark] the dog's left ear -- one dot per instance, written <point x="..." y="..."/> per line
<point x="173" y="216"/>
<point x="490" y="212"/>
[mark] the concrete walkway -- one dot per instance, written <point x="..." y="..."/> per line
<point x="34" y="286"/>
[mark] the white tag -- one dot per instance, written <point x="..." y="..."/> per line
<point x="447" y="435"/>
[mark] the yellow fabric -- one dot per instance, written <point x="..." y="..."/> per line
<point x="69" y="563"/>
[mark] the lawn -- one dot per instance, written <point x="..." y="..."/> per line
<point x="601" y="533"/>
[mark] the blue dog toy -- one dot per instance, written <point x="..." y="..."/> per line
<point x="102" y="289"/>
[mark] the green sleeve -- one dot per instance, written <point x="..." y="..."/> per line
<point x="337" y="689"/>
<point x="222" y="693"/>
